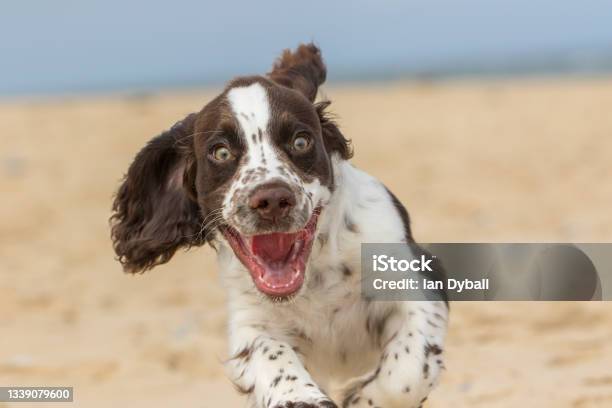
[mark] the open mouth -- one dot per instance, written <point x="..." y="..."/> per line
<point x="276" y="261"/>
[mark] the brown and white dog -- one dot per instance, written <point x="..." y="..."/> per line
<point x="261" y="173"/>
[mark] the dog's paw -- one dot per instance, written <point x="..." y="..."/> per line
<point x="359" y="401"/>
<point x="369" y="394"/>
<point x="302" y="404"/>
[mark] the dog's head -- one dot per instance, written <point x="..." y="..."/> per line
<point x="252" y="169"/>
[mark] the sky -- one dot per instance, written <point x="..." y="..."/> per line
<point x="65" y="46"/>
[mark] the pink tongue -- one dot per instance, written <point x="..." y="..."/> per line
<point x="273" y="247"/>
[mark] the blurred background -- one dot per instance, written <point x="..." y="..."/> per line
<point x="70" y="46"/>
<point x="490" y="120"/>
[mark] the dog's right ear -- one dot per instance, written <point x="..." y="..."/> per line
<point x="155" y="210"/>
<point x="302" y="70"/>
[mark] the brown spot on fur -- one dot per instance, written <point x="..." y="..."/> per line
<point x="432" y="324"/>
<point x="244" y="353"/>
<point x="275" y="381"/>
<point x="432" y="349"/>
<point x="346" y="271"/>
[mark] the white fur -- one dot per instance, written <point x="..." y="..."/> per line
<point x="326" y="322"/>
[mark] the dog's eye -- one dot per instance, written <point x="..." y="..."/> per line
<point x="221" y="153"/>
<point x="301" y="142"/>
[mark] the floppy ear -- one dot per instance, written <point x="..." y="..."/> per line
<point x="302" y="70"/>
<point x="155" y="211"/>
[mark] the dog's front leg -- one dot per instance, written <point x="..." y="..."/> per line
<point x="411" y="336"/>
<point x="272" y="374"/>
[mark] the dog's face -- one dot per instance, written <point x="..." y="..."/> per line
<point x="252" y="169"/>
<point x="263" y="169"/>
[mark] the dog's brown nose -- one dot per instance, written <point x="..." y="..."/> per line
<point x="272" y="202"/>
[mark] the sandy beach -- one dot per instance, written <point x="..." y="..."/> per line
<point x="523" y="160"/>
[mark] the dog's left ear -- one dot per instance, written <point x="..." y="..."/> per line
<point x="302" y="70"/>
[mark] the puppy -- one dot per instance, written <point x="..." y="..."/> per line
<point x="262" y="174"/>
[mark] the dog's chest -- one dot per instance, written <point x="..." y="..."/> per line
<point x="328" y="325"/>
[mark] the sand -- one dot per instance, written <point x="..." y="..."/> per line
<point x="493" y="161"/>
